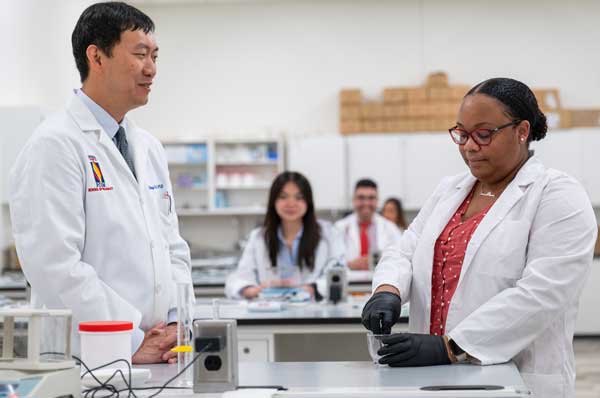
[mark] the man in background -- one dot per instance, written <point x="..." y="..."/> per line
<point x="365" y="233"/>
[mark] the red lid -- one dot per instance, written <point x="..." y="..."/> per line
<point x="105" y="326"/>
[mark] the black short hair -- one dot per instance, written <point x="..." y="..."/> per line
<point x="365" y="183"/>
<point x="101" y="24"/>
<point x="519" y="101"/>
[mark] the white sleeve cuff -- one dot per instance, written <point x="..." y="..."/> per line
<point x="172" y="316"/>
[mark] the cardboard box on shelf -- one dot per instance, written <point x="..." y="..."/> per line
<point x="548" y="99"/>
<point x="372" y="110"/>
<point x="457" y="92"/>
<point x="558" y="119"/>
<point x="416" y="94"/>
<point x="437" y="79"/>
<point x="395" y="111"/>
<point x="445" y="108"/>
<point x="423" y="124"/>
<point x="584" y="117"/>
<point x="350" y="127"/>
<point x="439" y="93"/>
<point x="394" y="95"/>
<point x="374" y="125"/>
<point x="442" y="124"/>
<point x="418" y="109"/>
<point x="351" y="96"/>
<point x="350" y="112"/>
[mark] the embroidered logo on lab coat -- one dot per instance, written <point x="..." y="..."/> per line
<point x="98" y="176"/>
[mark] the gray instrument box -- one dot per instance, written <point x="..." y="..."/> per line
<point x="216" y="370"/>
<point x="337" y="284"/>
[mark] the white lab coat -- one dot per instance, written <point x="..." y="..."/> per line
<point x="255" y="265"/>
<point x="111" y="253"/>
<point x="521" y="277"/>
<point x="387" y="234"/>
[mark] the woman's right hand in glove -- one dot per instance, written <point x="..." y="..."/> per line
<point x="381" y="312"/>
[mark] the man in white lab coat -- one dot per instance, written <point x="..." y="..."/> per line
<point x="90" y="198"/>
<point x="364" y="232"/>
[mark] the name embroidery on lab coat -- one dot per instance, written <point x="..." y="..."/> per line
<point x="98" y="176"/>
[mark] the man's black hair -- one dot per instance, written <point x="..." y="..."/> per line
<point x="102" y="24"/>
<point x="365" y="183"/>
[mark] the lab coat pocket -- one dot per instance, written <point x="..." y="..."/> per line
<point x="504" y="251"/>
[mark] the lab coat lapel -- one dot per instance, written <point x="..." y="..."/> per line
<point x="447" y="207"/>
<point x="440" y="217"/>
<point x="511" y="195"/>
<point x="88" y="124"/>
<point x="352" y="228"/>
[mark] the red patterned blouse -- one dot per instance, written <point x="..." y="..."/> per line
<point x="449" y="253"/>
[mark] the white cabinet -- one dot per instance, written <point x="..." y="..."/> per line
<point x="380" y="157"/>
<point x="576" y="152"/>
<point x="321" y="159"/>
<point x="429" y="158"/>
<point x="408" y="166"/>
<point x="588" y="322"/>
<point x="16" y="126"/>
<point x="562" y="150"/>
<point x="591" y="163"/>
<point x="253" y="350"/>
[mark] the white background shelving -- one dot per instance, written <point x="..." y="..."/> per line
<point x="238" y="175"/>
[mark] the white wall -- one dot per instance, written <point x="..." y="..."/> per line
<point x="248" y="67"/>
<point x="37" y="65"/>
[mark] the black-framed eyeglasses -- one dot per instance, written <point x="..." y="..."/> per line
<point x="482" y="137"/>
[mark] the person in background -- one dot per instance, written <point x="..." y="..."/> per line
<point x="392" y="210"/>
<point x="495" y="261"/>
<point x="364" y="232"/>
<point x="291" y="249"/>
<point x="90" y="199"/>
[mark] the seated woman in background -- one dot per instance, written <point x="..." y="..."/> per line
<point x="291" y="249"/>
<point x="392" y="210"/>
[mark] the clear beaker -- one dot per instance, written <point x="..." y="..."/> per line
<point x="184" y="348"/>
<point x="374" y="344"/>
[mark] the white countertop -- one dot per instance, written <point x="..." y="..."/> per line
<point x="363" y="379"/>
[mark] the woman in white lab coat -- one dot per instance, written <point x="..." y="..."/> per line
<point x="291" y="249"/>
<point x="393" y="211"/>
<point x="494" y="263"/>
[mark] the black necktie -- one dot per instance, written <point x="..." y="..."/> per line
<point x="121" y="141"/>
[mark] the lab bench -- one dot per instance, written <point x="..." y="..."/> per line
<point x="361" y="379"/>
<point x="299" y="332"/>
<point x="210" y="281"/>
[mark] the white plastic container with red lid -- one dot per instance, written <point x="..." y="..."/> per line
<point x="103" y="342"/>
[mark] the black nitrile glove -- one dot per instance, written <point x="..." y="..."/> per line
<point x="381" y="312"/>
<point x="409" y="349"/>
